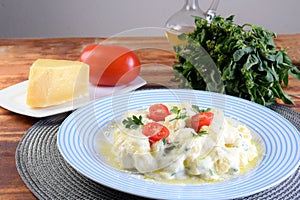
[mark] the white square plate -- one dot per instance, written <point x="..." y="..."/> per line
<point x="13" y="98"/>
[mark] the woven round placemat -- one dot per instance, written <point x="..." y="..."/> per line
<point x="49" y="176"/>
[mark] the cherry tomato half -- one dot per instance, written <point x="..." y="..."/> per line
<point x="158" y="112"/>
<point x="155" y="131"/>
<point x="110" y="65"/>
<point x="201" y="119"/>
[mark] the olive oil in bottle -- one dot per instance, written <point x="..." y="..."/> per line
<point x="172" y="35"/>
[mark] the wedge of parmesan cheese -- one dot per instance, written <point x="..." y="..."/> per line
<point x="52" y="82"/>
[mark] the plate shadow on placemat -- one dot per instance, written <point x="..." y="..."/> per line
<point x="49" y="176"/>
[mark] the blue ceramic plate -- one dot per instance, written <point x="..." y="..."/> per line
<point x="78" y="142"/>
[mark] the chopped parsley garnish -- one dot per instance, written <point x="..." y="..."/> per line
<point x="178" y="112"/>
<point x="198" y="110"/>
<point x="133" y="122"/>
<point x="164" y="141"/>
<point x="201" y="133"/>
<point x="212" y="172"/>
<point x="175" y="110"/>
<point x="172" y="146"/>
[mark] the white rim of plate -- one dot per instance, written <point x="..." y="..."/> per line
<point x="78" y="132"/>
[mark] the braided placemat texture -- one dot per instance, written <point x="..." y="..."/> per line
<point x="49" y="176"/>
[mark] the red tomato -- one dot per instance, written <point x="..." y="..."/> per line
<point x="110" y="65"/>
<point x="201" y="119"/>
<point x="158" y="112"/>
<point x="155" y="131"/>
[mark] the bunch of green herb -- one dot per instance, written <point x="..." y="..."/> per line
<point x="247" y="62"/>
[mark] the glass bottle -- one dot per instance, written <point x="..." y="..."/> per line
<point x="182" y="21"/>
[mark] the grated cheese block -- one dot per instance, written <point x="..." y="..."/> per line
<point x="52" y="82"/>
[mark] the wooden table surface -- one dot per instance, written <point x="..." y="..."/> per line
<point x="17" y="55"/>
